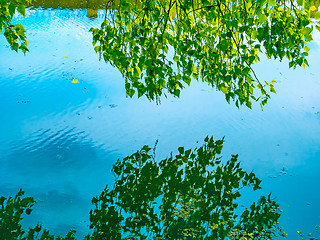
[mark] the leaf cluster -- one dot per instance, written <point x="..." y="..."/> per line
<point x="11" y="212"/>
<point x="15" y="33"/>
<point x="188" y="196"/>
<point x="160" y="46"/>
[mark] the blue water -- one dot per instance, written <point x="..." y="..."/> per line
<point x="58" y="139"/>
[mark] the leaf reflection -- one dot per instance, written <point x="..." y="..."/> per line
<point x="192" y="195"/>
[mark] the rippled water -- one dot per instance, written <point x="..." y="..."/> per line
<point x="58" y="139"/>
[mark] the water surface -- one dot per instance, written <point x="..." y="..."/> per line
<point x="58" y="139"/>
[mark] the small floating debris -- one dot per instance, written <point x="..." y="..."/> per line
<point x="272" y="176"/>
<point x="284" y="169"/>
<point x="70" y="77"/>
<point x="89" y="118"/>
<point x="75" y="80"/>
<point x="113" y="105"/>
<point x="65" y="56"/>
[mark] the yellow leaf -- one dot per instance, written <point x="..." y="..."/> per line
<point x="306" y="49"/>
<point x="195" y="69"/>
<point x="312" y="9"/>
<point x="173" y="12"/>
<point x="75" y="80"/>
<point x="224" y="89"/>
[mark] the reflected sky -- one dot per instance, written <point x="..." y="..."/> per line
<point x="59" y="139"/>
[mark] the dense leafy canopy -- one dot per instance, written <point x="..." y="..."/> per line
<point x="159" y="46"/>
<point x="188" y="196"/>
<point x="192" y="195"/>
<point x="14" y="33"/>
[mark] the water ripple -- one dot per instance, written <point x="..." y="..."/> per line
<point x="48" y="138"/>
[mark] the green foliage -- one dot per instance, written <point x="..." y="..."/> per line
<point x="159" y="46"/>
<point x="14" y="33"/>
<point x="11" y="211"/>
<point x="189" y="196"/>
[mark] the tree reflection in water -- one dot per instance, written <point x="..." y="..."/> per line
<point x="188" y="196"/>
<point x="191" y="195"/>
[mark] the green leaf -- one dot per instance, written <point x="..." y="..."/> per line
<point x="130" y="92"/>
<point x="28" y="211"/>
<point x="181" y="150"/>
<point x="224" y="89"/>
<point x="306" y="31"/>
<point x="272" y="3"/>
<point x="15" y="46"/>
<point x="262" y="17"/>
<point x="12" y="9"/>
<point x="300" y="2"/>
<point x="22" y="10"/>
